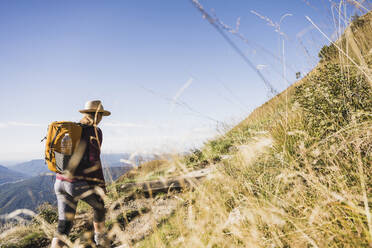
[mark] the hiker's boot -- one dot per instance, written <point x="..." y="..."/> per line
<point x="56" y="243"/>
<point x="101" y="240"/>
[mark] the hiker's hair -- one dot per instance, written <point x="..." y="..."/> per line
<point x="88" y="119"/>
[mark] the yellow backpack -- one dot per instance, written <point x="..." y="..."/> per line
<point x="56" y="161"/>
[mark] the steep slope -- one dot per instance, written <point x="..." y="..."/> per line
<point x="356" y="42"/>
<point x="311" y="185"/>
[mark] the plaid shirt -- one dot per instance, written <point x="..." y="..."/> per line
<point x="90" y="167"/>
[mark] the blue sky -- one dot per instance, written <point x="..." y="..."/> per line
<point x="137" y="57"/>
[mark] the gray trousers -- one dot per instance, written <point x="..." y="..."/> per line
<point x="68" y="195"/>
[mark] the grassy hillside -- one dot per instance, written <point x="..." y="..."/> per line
<point x="295" y="173"/>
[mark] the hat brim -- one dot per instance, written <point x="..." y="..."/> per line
<point x="104" y="112"/>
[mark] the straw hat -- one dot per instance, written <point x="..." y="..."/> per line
<point x="94" y="107"/>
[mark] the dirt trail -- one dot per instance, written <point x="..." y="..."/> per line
<point x="161" y="208"/>
<point x="137" y="229"/>
<point x="134" y="217"/>
<point x="164" y="185"/>
<point x="151" y="211"/>
<point x="251" y="150"/>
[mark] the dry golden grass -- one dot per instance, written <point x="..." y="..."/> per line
<point x="258" y="198"/>
<point x="286" y="188"/>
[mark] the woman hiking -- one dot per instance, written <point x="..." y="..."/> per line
<point x="86" y="181"/>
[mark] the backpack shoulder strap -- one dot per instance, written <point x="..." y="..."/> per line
<point x="85" y="158"/>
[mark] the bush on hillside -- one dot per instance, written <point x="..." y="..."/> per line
<point x="213" y="151"/>
<point x="333" y="98"/>
<point x="356" y="21"/>
<point x="48" y="212"/>
<point x="196" y="159"/>
<point x="327" y="52"/>
<point x="30" y="237"/>
<point x="221" y="146"/>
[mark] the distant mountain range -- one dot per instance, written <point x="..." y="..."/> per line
<point x="29" y="193"/>
<point x="113" y="173"/>
<point x="7" y="175"/>
<point x="36" y="167"/>
<point x="115" y="159"/>
<point x="111" y="158"/>
<point x="26" y="185"/>
<point x="31" y="168"/>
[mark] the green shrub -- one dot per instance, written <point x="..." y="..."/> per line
<point x="332" y="98"/>
<point x="211" y="153"/>
<point x="356" y="21"/>
<point x="31" y="240"/>
<point x="48" y="212"/>
<point x="221" y="146"/>
<point x="327" y="52"/>
<point x="195" y="159"/>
